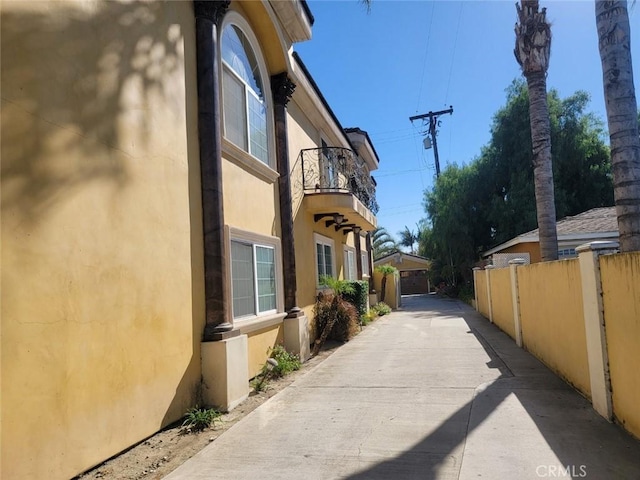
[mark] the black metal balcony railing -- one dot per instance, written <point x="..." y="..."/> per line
<point x="336" y="169"/>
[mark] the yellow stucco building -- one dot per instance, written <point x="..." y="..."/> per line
<point x="173" y="186"/>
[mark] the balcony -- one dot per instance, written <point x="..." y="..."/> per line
<point x="334" y="179"/>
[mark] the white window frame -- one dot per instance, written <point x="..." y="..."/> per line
<point x="266" y="171"/>
<point x="324" y="241"/>
<point x="365" y="264"/>
<point x="350" y="268"/>
<point x="255" y="239"/>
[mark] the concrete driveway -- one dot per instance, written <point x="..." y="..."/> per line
<point x="432" y="391"/>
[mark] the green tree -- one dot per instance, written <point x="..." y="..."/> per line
<point x="614" y="31"/>
<point x="533" y="48"/>
<point x="491" y="200"/>
<point x="382" y="243"/>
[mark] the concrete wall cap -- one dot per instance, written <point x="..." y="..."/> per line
<point x="517" y="261"/>
<point x="489" y="267"/>
<point x="596" y="246"/>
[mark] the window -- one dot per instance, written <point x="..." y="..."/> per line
<point x="253" y="278"/>
<point x="328" y="168"/>
<point x="244" y="102"/>
<point x="324" y="257"/>
<point x="567" y="253"/>
<point x="350" y="272"/>
<point x="365" y="264"/>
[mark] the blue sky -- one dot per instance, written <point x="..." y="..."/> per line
<point x="409" y="57"/>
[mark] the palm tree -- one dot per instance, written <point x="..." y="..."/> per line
<point x="385" y="270"/>
<point x="533" y="47"/>
<point x="408" y="238"/>
<point x="382" y="243"/>
<point x="612" y="20"/>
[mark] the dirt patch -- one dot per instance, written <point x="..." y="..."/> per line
<point x="165" y="451"/>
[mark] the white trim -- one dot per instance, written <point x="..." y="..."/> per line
<point x="346" y="249"/>
<point x="259" y="323"/>
<point x="234" y="18"/>
<point x="236" y="234"/>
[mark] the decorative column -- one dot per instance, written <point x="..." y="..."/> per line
<point x="475" y="287"/>
<point x="283" y="88"/>
<point x="372" y="290"/>
<point x="208" y="16"/>
<point x="487" y="270"/>
<point x="594" y="327"/>
<point x="356" y="240"/>
<point x="515" y="297"/>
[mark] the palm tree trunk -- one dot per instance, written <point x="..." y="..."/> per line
<point x="383" y="288"/>
<point x="612" y="20"/>
<point x="542" y="167"/>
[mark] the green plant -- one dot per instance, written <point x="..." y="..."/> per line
<point x="286" y="362"/>
<point x="385" y="270"/>
<point x="381" y="309"/>
<point x="368" y="317"/>
<point x="336" y="306"/>
<point x="197" y="419"/>
<point x="359" y="296"/>
<point x="344" y="314"/>
<point x="259" y="383"/>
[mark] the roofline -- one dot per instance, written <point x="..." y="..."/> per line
<point x="561" y="238"/>
<point x="366" y="134"/>
<point x="416" y="257"/>
<point x="315" y="87"/>
<point x="307" y="12"/>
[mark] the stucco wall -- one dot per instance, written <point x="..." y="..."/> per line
<point x="102" y="296"/>
<point x="502" y="301"/>
<point x="391" y="289"/>
<point x="260" y="344"/>
<point x="481" y="292"/>
<point x="621" y="296"/>
<point x="532" y="248"/>
<point x="552" y="318"/>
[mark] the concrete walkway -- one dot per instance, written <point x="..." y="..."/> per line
<point x="433" y="391"/>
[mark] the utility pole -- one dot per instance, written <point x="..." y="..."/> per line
<point x="433" y="123"/>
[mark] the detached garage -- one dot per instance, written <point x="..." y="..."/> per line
<point x="413" y="271"/>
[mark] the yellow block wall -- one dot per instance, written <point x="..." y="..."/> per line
<point x="481" y="291"/>
<point x="502" y="301"/>
<point x="102" y="295"/>
<point x="621" y="296"/>
<point x="552" y="318"/>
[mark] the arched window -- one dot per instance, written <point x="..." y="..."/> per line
<point x="243" y="89"/>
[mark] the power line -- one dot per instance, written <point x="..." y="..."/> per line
<point x="426" y="54"/>
<point x="455" y="44"/>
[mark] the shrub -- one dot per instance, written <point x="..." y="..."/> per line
<point x="381" y="309"/>
<point x="359" y="296"/>
<point x="287" y="362"/>
<point x="197" y="419"/>
<point x="368" y="317"/>
<point x="346" y="325"/>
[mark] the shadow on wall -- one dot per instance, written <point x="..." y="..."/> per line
<point x="69" y="75"/>
<point x="570" y="427"/>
